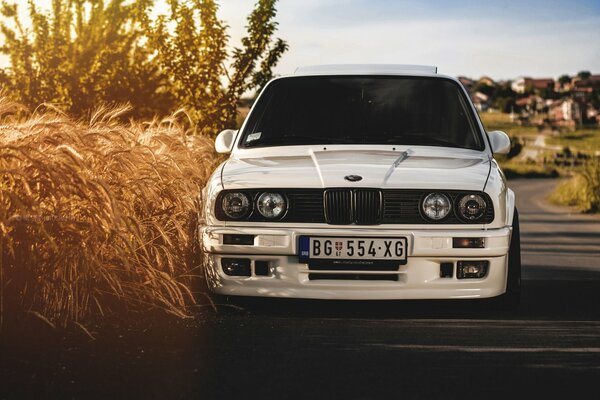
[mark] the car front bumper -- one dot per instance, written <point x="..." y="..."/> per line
<point x="419" y="278"/>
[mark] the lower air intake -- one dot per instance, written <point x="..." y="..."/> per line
<point x="354" y="277"/>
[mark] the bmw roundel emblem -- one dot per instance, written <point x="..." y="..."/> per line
<point x="353" y="178"/>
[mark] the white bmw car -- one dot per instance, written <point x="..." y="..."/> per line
<point x="362" y="182"/>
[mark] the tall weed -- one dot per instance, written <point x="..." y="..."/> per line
<point x="97" y="216"/>
<point x="583" y="190"/>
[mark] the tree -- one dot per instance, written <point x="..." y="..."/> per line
<point x="87" y="52"/>
<point x="584" y="74"/>
<point x="548" y="93"/>
<point x="504" y="104"/>
<point x="564" y="79"/>
<point x="81" y="54"/>
<point x="193" y="54"/>
<point x="483" y="88"/>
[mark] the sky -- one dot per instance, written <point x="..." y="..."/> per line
<point x="503" y="39"/>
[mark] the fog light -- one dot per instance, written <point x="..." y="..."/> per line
<point x="236" y="266"/>
<point x="468" y="243"/>
<point x="471" y="269"/>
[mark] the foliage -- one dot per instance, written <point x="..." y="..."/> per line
<point x="504" y="98"/>
<point x="584" y="139"/>
<point x="88" y="52"/>
<point x="504" y="104"/>
<point x="84" y="53"/>
<point x="493" y="121"/>
<point x="520" y="169"/>
<point x="194" y="57"/>
<point x="516" y="145"/>
<point x="548" y="93"/>
<point x="581" y="191"/>
<point x="591" y="176"/>
<point x="564" y="79"/>
<point x="483" y="88"/>
<point x="97" y="217"/>
<point x="584" y="74"/>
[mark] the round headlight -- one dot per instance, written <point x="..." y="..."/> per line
<point x="236" y="205"/>
<point x="271" y="205"/>
<point x="436" y="206"/>
<point x="472" y="207"/>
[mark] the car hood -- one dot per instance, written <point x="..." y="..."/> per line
<point x="316" y="167"/>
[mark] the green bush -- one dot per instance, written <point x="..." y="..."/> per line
<point x="583" y="190"/>
<point x="80" y="54"/>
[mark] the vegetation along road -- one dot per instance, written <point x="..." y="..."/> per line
<point x="306" y="349"/>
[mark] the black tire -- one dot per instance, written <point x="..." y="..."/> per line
<point x="509" y="301"/>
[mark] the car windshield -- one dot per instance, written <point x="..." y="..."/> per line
<point x="362" y="110"/>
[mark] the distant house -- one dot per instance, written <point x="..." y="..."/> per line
<point x="486" y="80"/>
<point x="566" y="111"/>
<point x="531" y="103"/>
<point x="467" y="82"/>
<point x="519" y="85"/>
<point x="581" y="87"/>
<point x="523" y="84"/>
<point x="562" y="87"/>
<point x="481" y="101"/>
<point x="593" y="115"/>
<point x="543" y="83"/>
<point x="591" y="82"/>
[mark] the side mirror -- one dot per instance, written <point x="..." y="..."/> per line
<point x="224" y="141"/>
<point x="500" y="142"/>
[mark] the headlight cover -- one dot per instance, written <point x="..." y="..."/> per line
<point x="271" y="205"/>
<point x="436" y="206"/>
<point x="472" y="207"/>
<point x="236" y="205"/>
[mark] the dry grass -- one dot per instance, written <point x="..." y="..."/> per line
<point x="97" y="217"/>
<point x="582" y="191"/>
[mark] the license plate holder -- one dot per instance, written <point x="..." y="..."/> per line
<point x="353" y="248"/>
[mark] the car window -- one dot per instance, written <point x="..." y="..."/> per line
<point x="362" y="110"/>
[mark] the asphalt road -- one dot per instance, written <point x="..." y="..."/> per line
<point x="367" y="350"/>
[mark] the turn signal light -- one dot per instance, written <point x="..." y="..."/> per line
<point x="247" y="240"/>
<point x="471" y="269"/>
<point x="468" y="243"/>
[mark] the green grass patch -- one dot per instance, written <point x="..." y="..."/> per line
<point x="587" y="139"/>
<point x="582" y="191"/>
<point x="513" y="169"/>
<point x="494" y="121"/>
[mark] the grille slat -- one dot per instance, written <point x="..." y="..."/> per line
<point x="368" y="206"/>
<point x="338" y="206"/>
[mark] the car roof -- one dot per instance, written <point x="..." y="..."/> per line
<point x="366" y="69"/>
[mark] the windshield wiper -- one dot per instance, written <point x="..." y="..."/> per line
<point x="418" y="140"/>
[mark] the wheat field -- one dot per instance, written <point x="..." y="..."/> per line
<point x="98" y="216"/>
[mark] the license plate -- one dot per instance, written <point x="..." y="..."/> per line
<point x="346" y="248"/>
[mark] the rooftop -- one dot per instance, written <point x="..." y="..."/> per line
<point x="366" y="69"/>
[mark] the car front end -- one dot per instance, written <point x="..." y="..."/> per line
<point x="335" y="219"/>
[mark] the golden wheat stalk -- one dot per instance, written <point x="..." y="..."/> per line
<point x="97" y="216"/>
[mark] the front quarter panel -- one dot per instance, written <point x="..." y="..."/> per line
<point x="209" y="197"/>
<point x="502" y="196"/>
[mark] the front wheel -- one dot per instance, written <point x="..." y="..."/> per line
<point x="510" y="300"/>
